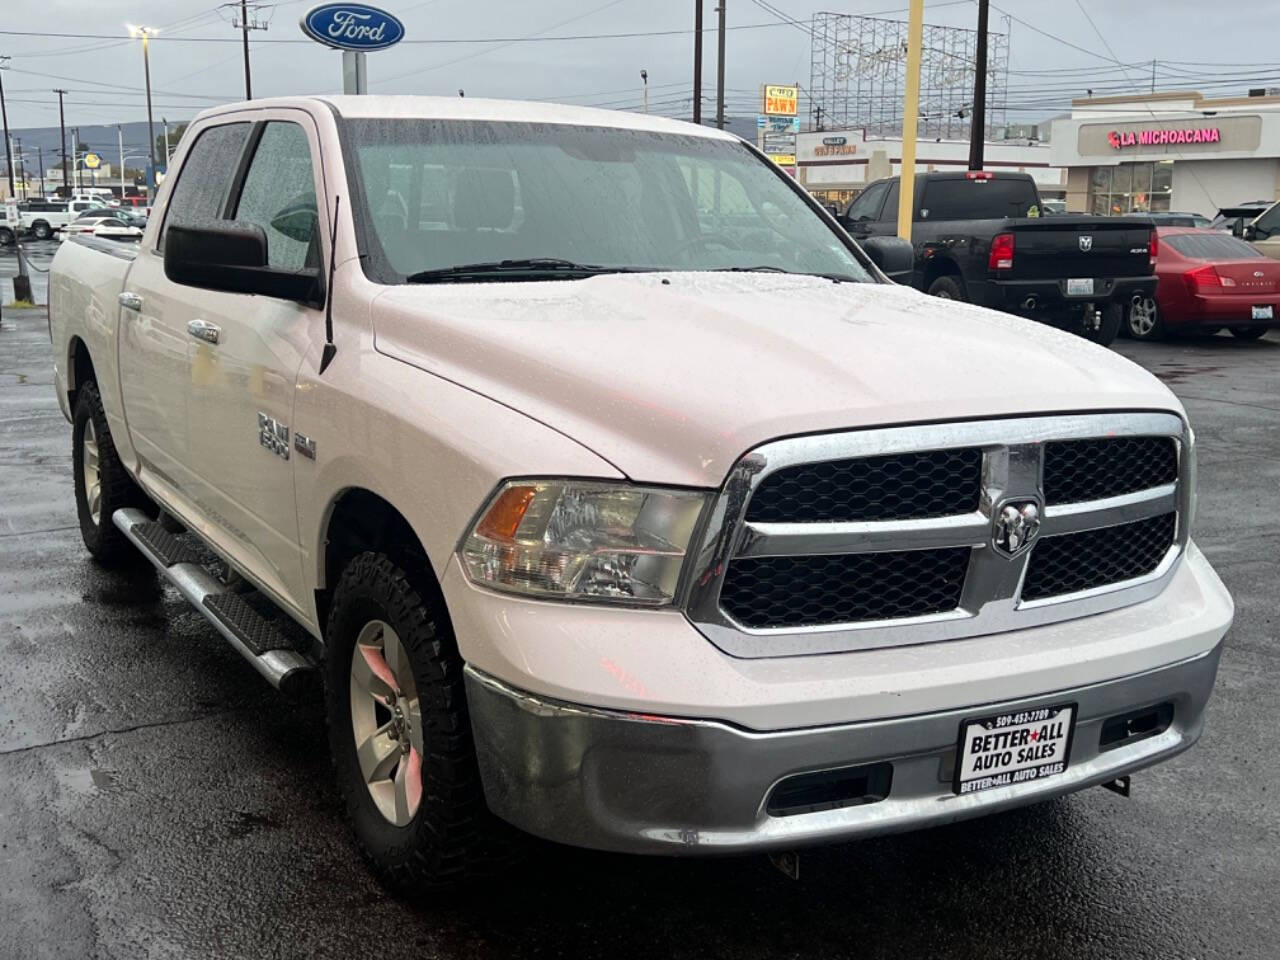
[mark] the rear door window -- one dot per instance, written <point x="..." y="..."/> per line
<point x="205" y="178"/>
<point x="965" y="199"/>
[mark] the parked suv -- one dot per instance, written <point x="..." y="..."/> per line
<point x="694" y="536"/>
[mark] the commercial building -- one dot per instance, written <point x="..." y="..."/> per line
<point x="835" y="165"/>
<point x="1168" y="151"/>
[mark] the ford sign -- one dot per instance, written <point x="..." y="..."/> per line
<point x="352" y="26"/>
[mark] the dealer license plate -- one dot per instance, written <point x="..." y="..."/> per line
<point x="1080" y="288"/>
<point x="1013" y="748"/>
<point x="1264" y="313"/>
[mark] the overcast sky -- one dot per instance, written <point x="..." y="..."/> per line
<point x="190" y="71"/>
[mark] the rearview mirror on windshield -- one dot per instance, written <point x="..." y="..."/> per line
<point x="229" y="256"/>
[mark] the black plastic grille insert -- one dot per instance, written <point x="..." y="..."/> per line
<point x="1094" y="558"/>
<point x="812" y="591"/>
<point x="1076" y="470"/>
<point x="901" y="486"/>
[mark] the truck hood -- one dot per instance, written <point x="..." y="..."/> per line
<point x="672" y="377"/>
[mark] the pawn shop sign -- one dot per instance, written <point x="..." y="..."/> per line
<point x="92" y="161"/>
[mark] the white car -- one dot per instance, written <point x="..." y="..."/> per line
<point x="108" y="227"/>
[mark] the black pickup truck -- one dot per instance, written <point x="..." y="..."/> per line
<point x="983" y="237"/>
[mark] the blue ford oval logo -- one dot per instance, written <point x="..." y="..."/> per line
<point x="352" y="26"/>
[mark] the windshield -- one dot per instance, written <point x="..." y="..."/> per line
<point x="441" y="194"/>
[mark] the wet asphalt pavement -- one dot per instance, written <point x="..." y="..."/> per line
<point x="157" y="799"/>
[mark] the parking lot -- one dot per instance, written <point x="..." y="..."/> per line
<point x="158" y="799"/>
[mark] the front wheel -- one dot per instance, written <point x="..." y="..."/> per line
<point x="41" y="230"/>
<point x="947" y="287"/>
<point x="1248" y="332"/>
<point x="400" y="735"/>
<point x="1144" y="321"/>
<point x="6" y="237"/>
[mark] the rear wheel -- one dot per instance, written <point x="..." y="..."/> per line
<point x="102" y="484"/>
<point x="1248" y="332"/>
<point x="1104" y="327"/>
<point x="41" y="230"/>
<point x="948" y="288"/>
<point x="1144" y="320"/>
<point x="400" y="735"/>
<point x="6" y="237"/>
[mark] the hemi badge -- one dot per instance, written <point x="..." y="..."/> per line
<point x="304" y="445"/>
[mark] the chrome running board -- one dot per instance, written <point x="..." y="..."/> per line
<point x="253" y="636"/>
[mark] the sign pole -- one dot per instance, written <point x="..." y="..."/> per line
<point x="910" y="120"/>
<point x="354" y="76"/>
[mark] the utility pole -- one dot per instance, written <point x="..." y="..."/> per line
<point x="244" y="34"/>
<point x="166" y="142"/>
<point x="120" y="144"/>
<point x="1153" y="76"/>
<point x="62" y="127"/>
<point x="978" y="122"/>
<point x="697" y="61"/>
<point x="910" y="120"/>
<point x="644" y="78"/>
<point x="720" y="70"/>
<point x="40" y="157"/>
<point x="8" y="154"/>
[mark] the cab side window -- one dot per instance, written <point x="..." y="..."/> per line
<point x="1268" y="225"/>
<point x="867" y="206"/>
<point x="200" y="193"/>
<point x="889" y="214"/>
<point x="279" y="196"/>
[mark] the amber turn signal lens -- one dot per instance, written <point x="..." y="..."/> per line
<point x="503" y="519"/>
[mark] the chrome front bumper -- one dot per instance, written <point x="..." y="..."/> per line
<point x="636" y="783"/>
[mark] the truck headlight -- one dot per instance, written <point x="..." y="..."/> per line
<point x="583" y="540"/>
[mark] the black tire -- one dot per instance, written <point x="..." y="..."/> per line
<point x="452" y="837"/>
<point x="41" y="230"/>
<point x="948" y="287"/>
<point x="6" y="237"/>
<point x="115" y="488"/>
<point x="1248" y="332"/>
<point x="1143" y="320"/>
<point x="1108" y="327"/>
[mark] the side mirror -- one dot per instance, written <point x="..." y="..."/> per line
<point x="895" y="257"/>
<point x="1249" y="232"/>
<point x="230" y="256"/>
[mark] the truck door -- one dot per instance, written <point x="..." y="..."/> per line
<point x="242" y="392"/>
<point x="155" y="363"/>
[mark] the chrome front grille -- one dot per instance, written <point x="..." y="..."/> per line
<point x="889" y="536"/>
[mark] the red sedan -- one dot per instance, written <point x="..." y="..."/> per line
<point x="1208" y="280"/>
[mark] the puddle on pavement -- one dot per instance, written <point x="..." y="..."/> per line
<point x="1177" y="372"/>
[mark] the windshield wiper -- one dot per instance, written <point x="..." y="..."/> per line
<point x="765" y="268"/>
<point x="531" y="265"/>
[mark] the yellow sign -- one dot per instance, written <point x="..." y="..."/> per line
<point x="92" y="161"/>
<point x="783" y="159"/>
<point x="780" y="99"/>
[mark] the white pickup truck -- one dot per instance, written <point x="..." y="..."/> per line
<point x="614" y="493"/>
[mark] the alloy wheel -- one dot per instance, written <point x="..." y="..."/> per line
<point x="386" y="722"/>
<point x="92" y="475"/>
<point x="1142" y="317"/>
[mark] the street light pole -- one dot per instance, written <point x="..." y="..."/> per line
<point x="146" y="33"/>
<point x="62" y="128"/>
<point x="8" y="154"/>
<point x="644" y="78"/>
<point x="120" y="144"/>
<point x="910" y="120"/>
<point x="244" y="32"/>
<point x="720" y="70"/>
<point x="697" y="61"/>
<point x="22" y="170"/>
<point x="978" y="124"/>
